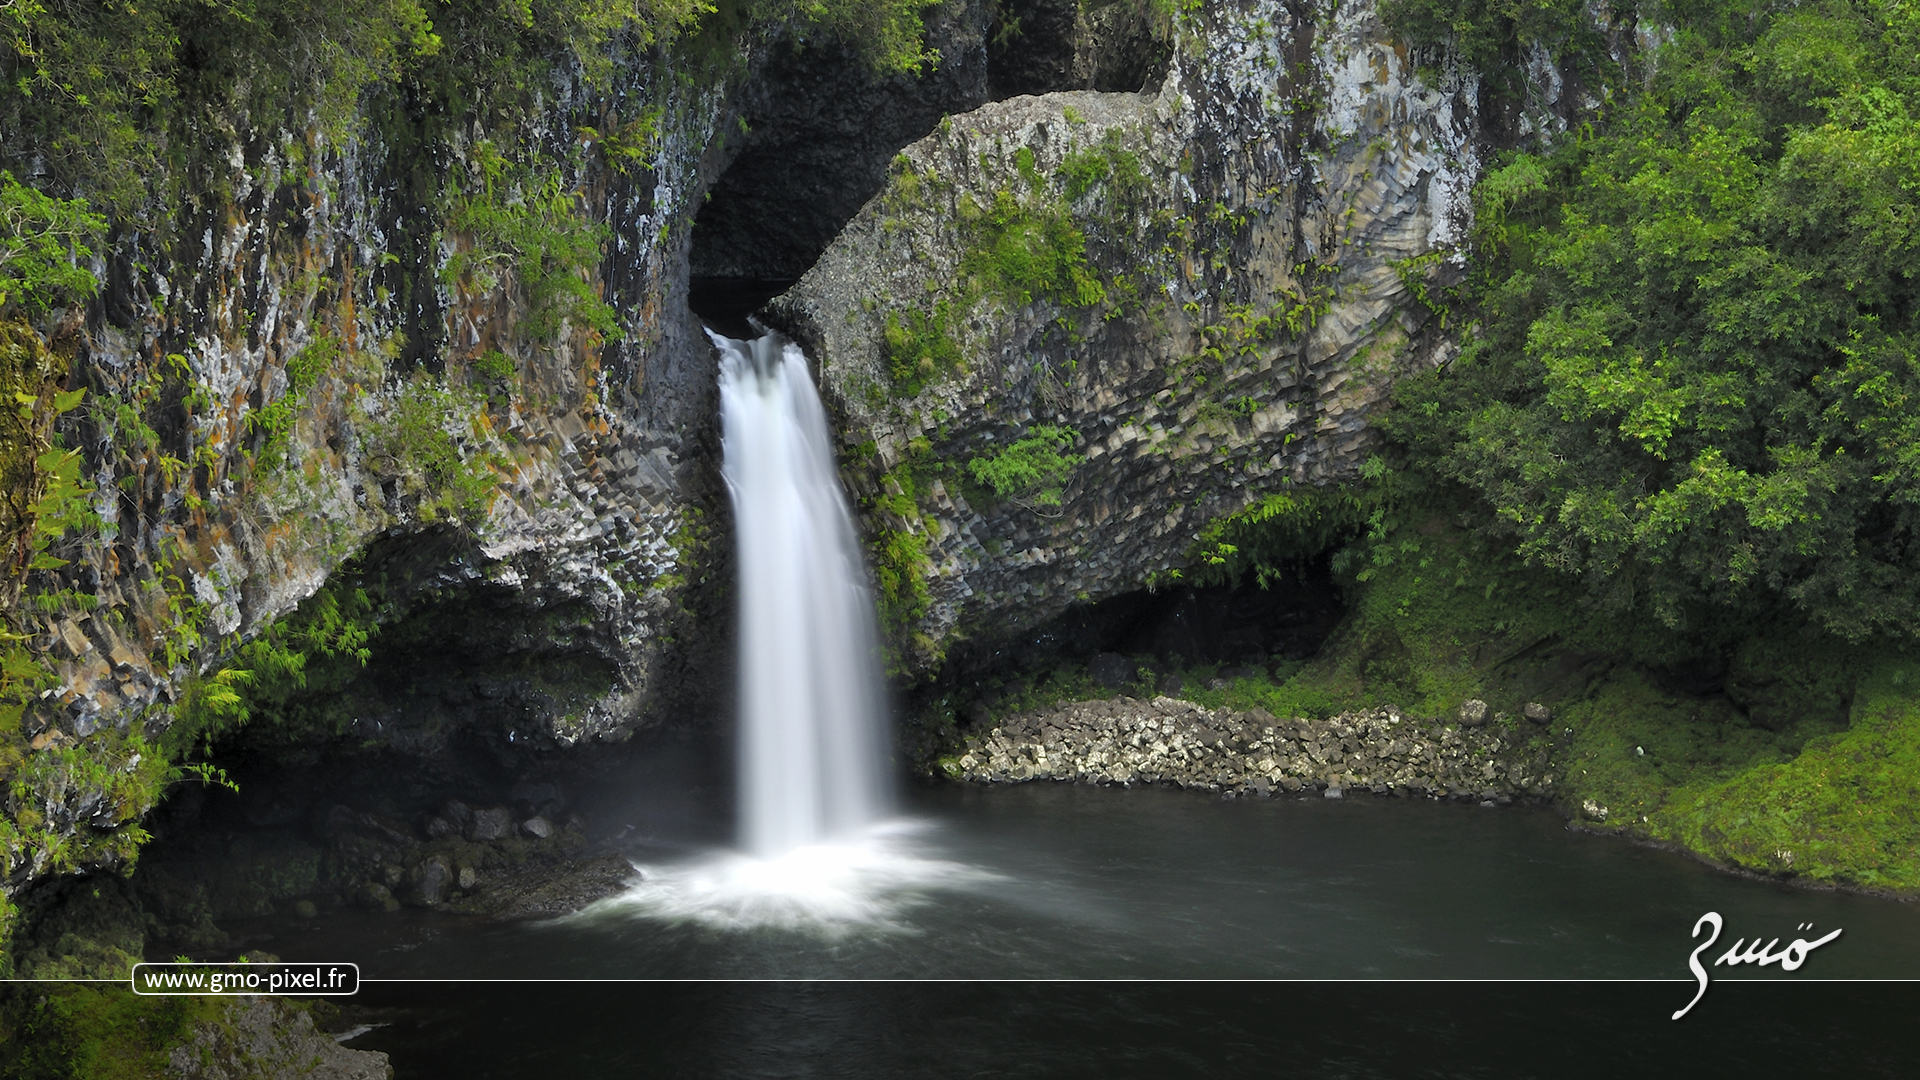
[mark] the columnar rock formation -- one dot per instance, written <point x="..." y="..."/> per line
<point x="1261" y="229"/>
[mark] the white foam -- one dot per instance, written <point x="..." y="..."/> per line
<point x="866" y="882"/>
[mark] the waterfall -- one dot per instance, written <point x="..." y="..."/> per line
<point x="813" y="761"/>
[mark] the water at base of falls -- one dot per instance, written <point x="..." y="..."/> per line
<point x="813" y="732"/>
<point x="867" y="882"/>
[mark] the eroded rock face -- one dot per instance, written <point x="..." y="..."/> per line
<point x="1255" y="224"/>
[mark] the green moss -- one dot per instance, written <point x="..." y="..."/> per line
<point x="67" y="1031"/>
<point x="1842" y="809"/>
<point x="921" y="347"/>
<point x="1022" y="250"/>
<point x="1028" y="245"/>
<point x="897" y="552"/>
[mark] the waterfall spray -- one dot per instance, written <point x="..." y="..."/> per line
<point x="812" y="720"/>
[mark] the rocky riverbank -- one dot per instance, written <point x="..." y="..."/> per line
<point x="1169" y="741"/>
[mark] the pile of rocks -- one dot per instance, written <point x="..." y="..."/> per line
<point x="1169" y="741"/>
<point x="471" y="859"/>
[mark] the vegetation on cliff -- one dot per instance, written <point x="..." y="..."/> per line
<point x="1691" y="332"/>
<point x="123" y="103"/>
<point x="1669" y="480"/>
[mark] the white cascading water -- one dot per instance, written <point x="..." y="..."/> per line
<point x="813" y="761"/>
<point x="820" y="853"/>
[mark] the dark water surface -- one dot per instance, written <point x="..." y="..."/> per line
<point x="1046" y="881"/>
<point x="1499" y="1031"/>
<point x="1135" y="889"/>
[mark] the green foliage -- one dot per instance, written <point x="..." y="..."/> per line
<point x="1696" y="347"/>
<point x="1022" y="250"/>
<point x="496" y="365"/>
<point x="921" y="347"/>
<point x="275" y="421"/>
<point x="122" y="101"/>
<point x="1841" y="809"/>
<point x="528" y="222"/>
<point x="1492" y="35"/>
<point x="1777" y="774"/>
<point x="67" y="1031"/>
<point x="1031" y="470"/>
<point x="434" y="442"/>
<point x="43" y="248"/>
<point x="1273" y="535"/>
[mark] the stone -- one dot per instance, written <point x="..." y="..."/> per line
<point x="1473" y="712"/>
<point x="438" y="828"/>
<point x="1334" y="791"/>
<point x="537" y="827"/>
<point x="305" y="909"/>
<point x="492" y="823"/>
<point x="1537" y="713"/>
<point x="372" y="895"/>
<point x="429" y="881"/>
<point x="267" y="1037"/>
<point x="1110" y="671"/>
<point x="467" y="878"/>
<point x="457" y="812"/>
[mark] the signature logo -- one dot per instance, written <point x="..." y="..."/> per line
<point x="1789" y="958"/>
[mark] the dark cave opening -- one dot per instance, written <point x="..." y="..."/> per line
<point x="811" y="144"/>
<point x="816" y="131"/>
<point x="427" y="777"/>
<point x="1155" y="637"/>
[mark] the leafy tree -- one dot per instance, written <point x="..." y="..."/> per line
<point x="43" y="248"/>
<point x="1694" y="362"/>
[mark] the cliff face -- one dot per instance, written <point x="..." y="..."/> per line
<point x="457" y="382"/>
<point x="295" y="381"/>
<point x="1245" y="248"/>
<point x="454" y="382"/>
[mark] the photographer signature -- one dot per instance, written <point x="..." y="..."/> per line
<point x="1789" y="958"/>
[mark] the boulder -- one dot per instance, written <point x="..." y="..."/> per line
<point x="492" y="823"/>
<point x="374" y="896"/>
<point x="537" y="827"/>
<point x="457" y="812"/>
<point x="1537" y="712"/>
<point x="1473" y="712"/>
<point x="429" y="881"/>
